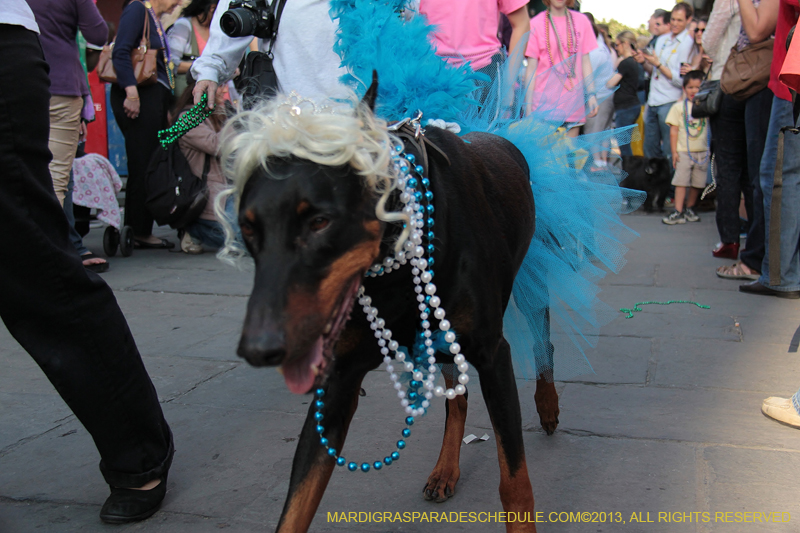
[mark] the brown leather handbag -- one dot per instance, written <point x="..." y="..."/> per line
<point x="747" y="70"/>
<point x="143" y="60"/>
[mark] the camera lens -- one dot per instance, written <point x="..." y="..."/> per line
<point x="238" y="22"/>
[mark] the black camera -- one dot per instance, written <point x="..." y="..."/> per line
<point x="248" y="17"/>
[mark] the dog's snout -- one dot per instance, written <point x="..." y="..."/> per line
<point x="262" y="348"/>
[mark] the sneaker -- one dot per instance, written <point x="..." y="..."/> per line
<point x="690" y="215"/>
<point x="676" y="217"/>
<point x="782" y="410"/>
<point x="190" y="246"/>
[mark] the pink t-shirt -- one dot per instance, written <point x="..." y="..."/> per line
<point x="467" y="30"/>
<point x="560" y="87"/>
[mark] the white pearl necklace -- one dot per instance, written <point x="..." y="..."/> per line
<point x="412" y="251"/>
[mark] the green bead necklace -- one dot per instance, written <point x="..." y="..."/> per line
<point x="186" y="122"/>
<point x="637" y="308"/>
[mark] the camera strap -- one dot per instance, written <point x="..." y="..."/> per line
<point x="278" y="12"/>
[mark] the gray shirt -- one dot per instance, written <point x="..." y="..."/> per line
<point x="304" y="58"/>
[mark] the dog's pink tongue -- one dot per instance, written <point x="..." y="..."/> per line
<point x="298" y="374"/>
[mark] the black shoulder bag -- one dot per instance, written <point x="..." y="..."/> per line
<point x="707" y="101"/>
<point x="258" y="79"/>
<point x="175" y="196"/>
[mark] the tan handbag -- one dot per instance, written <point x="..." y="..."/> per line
<point x="747" y="70"/>
<point x="143" y="59"/>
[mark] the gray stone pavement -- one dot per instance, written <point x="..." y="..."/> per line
<point x="669" y="423"/>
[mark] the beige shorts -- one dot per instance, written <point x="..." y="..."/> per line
<point x="691" y="174"/>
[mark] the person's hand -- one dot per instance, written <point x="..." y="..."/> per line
<point x="685" y="68"/>
<point x="82" y="132"/>
<point x="131" y="107"/>
<point x="205" y="87"/>
<point x="650" y="59"/>
<point x="639" y="57"/>
<point x="675" y="159"/>
<point x="593" y="107"/>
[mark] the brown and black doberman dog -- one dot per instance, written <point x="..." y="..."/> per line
<point x="314" y="233"/>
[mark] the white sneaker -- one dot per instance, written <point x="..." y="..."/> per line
<point x="676" y="217"/>
<point x="190" y="246"/>
<point x="690" y="215"/>
<point x="782" y="410"/>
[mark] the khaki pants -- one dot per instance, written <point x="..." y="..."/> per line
<point x="65" y="121"/>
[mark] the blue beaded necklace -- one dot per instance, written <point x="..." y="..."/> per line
<point x="419" y="389"/>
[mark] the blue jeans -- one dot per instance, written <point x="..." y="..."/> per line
<point x="790" y="206"/>
<point x="210" y="232"/>
<point x="656" y="132"/>
<point x="626" y="117"/>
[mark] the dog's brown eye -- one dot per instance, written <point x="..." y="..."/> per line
<point x="247" y="229"/>
<point x="319" y="223"/>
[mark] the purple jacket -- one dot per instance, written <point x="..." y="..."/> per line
<point x="59" y="21"/>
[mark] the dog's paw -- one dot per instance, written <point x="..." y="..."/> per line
<point x="441" y="484"/>
<point x="546" y="399"/>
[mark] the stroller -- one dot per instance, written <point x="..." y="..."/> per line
<point x="96" y="186"/>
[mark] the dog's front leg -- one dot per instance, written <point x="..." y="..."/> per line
<point x="500" y="393"/>
<point x="312" y="466"/>
<point x="441" y="484"/>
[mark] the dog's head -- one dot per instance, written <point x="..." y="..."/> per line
<point x="313" y="231"/>
<point x="657" y="169"/>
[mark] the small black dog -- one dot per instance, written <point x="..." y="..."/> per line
<point x="649" y="175"/>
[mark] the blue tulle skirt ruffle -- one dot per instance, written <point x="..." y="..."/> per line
<point x="555" y="312"/>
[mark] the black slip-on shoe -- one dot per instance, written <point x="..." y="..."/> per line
<point x="754" y="287"/>
<point x="129" y="505"/>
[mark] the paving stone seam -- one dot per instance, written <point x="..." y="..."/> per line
<point x="11" y="447"/>
<point x="604" y="385"/>
<point x="206" y="380"/>
<point x="224" y="295"/>
<point x="582" y="433"/>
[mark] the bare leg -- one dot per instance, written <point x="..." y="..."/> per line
<point x="680" y="198"/>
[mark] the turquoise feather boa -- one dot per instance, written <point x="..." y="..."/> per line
<point x="373" y="35"/>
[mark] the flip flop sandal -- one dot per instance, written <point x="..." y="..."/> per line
<point x="97" y="268"/>
<point x="735" y="271"/>
<point x="163" y="244"/>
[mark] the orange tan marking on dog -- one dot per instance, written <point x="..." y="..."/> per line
<point x="305" y="500"/>
<point x="302" y="207"/>
<point x="442" y="481"/>
<point x="250" y="215"/>
<point x="356" y="260"/>
<point x="516" y="492"/>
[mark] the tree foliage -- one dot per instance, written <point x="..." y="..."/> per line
<point x="615" y="27"/>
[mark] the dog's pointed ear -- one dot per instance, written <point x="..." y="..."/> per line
<point x="372" y="93"/>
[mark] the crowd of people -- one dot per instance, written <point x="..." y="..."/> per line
<point x="43" y="89"/>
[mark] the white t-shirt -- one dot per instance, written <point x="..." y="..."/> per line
<point x="17" y="13"/>
<point x="304" y="59"/>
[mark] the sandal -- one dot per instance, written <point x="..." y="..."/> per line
<point x="97" y="268"/>
<point x="162" y="244"/>
<point x="735" y="271"/>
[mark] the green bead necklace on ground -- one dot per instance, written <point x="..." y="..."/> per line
<point x="186" y="122"/>
<point x="636" y="308"/>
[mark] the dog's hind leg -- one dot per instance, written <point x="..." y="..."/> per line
<point x="441" y="483"/>
<point x="500" y="394"/>
<point x="312" y="466"/>
<point x="546" y="397"/>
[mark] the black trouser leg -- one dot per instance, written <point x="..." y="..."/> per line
<point x="141" y="142"/>
<point x="64" y="316"/>
<point x="730" y="150"/>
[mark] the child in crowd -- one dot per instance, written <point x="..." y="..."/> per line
<point x="690" y="156"/>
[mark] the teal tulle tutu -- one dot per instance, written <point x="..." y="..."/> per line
<point x="554" y="309"/>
